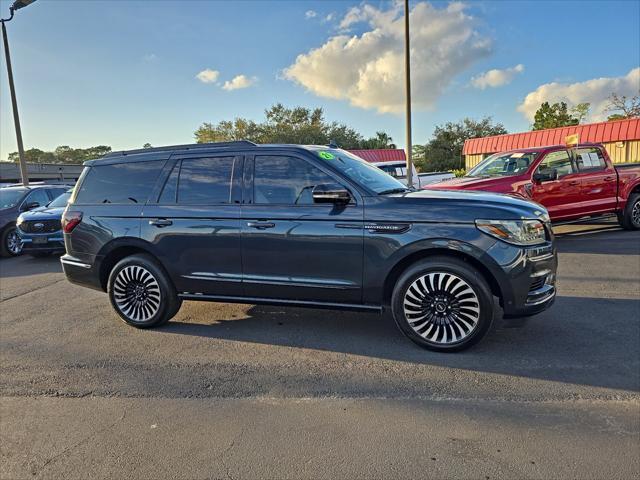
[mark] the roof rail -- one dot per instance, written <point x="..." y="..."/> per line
<point x="192" y="146"/>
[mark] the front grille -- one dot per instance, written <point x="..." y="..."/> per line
<point x="537" y="283"/>
<point x="40" y="226"/>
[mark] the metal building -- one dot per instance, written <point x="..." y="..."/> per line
<point x="621" y="138"/>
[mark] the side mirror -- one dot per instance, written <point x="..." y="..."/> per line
<point x="545" y="175"/>
<point x="31" y="206"/>
<point x="330" y="193"/>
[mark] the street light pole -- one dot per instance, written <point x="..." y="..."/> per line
<point x="14" y="103"/>
<point x="407" y="73"/>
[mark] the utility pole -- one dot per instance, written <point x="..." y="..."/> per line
<point x="14" y="103"/>
<point x="407" y="73"/>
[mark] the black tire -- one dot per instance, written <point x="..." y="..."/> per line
<point x="40" y="253"/>
<point x="448" y="318"/>
<point x="629" y="219"/>
<point x="7" y="242"/>
<point x="141" y="292"/>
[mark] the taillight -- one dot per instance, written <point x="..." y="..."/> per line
<point x="70" y="220"/>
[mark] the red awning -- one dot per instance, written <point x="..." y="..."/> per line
<point x="603" y="132"/>
<point x="382" y="155"/>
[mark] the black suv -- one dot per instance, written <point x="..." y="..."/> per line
<point x="307" y="226"/>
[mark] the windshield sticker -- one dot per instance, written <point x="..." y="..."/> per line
<point x="326" y="155"/>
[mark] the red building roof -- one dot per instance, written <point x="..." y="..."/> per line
<point x="382" y="155"/>
<point x="603" y="132"/>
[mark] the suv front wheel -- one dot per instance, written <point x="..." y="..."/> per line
<point x="141" y="293"/>
<point x="442" y="304"/>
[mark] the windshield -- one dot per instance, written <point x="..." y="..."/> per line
<point x="9" y="197"/>
<point x="361" y="171"/>
<point x="60" y="201"/>
<point x="503" y="164"/>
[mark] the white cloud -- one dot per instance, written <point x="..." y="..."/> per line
<point x="310" y="14"/>
<point x="239" y="81"/>
<point x="496" y="78"/>
<point x="208" y="75"/>
<point x="368" y="69"/>
<point x="595" y="92"/>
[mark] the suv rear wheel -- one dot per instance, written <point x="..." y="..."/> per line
<point x="629" y="219"/>
<point x="442" y="304"/>
<point x="141" y="293"/>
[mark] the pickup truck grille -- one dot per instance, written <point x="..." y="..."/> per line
<point x="40" y="226"/>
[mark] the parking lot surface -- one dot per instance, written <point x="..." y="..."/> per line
<point x="243" y="391"/>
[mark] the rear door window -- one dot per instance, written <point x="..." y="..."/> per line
<point x="205" y="181"/>
<point x="590" y="159"/>
<point x="121" y="183"/>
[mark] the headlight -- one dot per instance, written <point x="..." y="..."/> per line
<point x="518" y="232"/>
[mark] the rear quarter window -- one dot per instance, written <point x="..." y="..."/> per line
<point x="122" y="183"/>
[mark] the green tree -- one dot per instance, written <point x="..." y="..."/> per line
<point x="581" y="111"/>
<point x="298" y="125"/>
<point x="34" y="155"/>
<point x="552" y="116"/>
<point x="626" y="107"/>
<point x="62" y="154"/>
<point x="380" y="140"/>
<point x="444" y="150"/>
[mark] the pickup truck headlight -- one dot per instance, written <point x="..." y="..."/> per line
<point x="518" y="232"/>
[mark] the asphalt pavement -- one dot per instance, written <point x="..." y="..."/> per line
<point x="244" y="391"/>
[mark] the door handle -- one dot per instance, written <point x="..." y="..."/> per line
<point x="261" y="225"/>
<point x="160" y="222"/>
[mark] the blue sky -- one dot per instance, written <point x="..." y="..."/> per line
<point x="123" y="73"/>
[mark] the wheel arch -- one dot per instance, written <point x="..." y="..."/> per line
<point x="410" y="259"/>
<point x="117" y="249"/>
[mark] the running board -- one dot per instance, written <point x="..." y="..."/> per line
<point x="584" y="219"/>
<point x="277" y="301"/>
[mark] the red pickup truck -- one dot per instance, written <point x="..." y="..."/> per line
<point x="572" y="183"/>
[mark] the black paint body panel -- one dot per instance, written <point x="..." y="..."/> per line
<point x="320" y="254"/>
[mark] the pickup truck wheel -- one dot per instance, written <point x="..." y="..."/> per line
<point x="630" y="218"/>
<point x="141" y="293"/>
<point x="442" y="304"/>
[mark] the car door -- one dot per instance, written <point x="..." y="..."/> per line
<point x="598" y="181"/>
<point x="293" y="248"/>
<point x="561" y="197"/>
<point x="195" y="224"/>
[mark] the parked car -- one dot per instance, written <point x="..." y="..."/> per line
<point x="308" y="226"/>
<point x="15" y="200"/>
<point x="398" y="170"/>
<point x="40" y="229"/>
<point x="572" y="183"/>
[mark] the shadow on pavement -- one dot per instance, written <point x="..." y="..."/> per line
<point x="25" y="265"/>
<point x="588" y="341"/>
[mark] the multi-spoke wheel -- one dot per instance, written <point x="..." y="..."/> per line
<point x="441" y="307"/>
<point x="630" y="217"/>
<point x="137" y="293"/>
<point x="443" y="304"/>
<point x="141" y="293"/>
<point x="11" y="244"/>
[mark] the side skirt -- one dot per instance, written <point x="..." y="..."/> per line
<point x="276" y="301"/>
